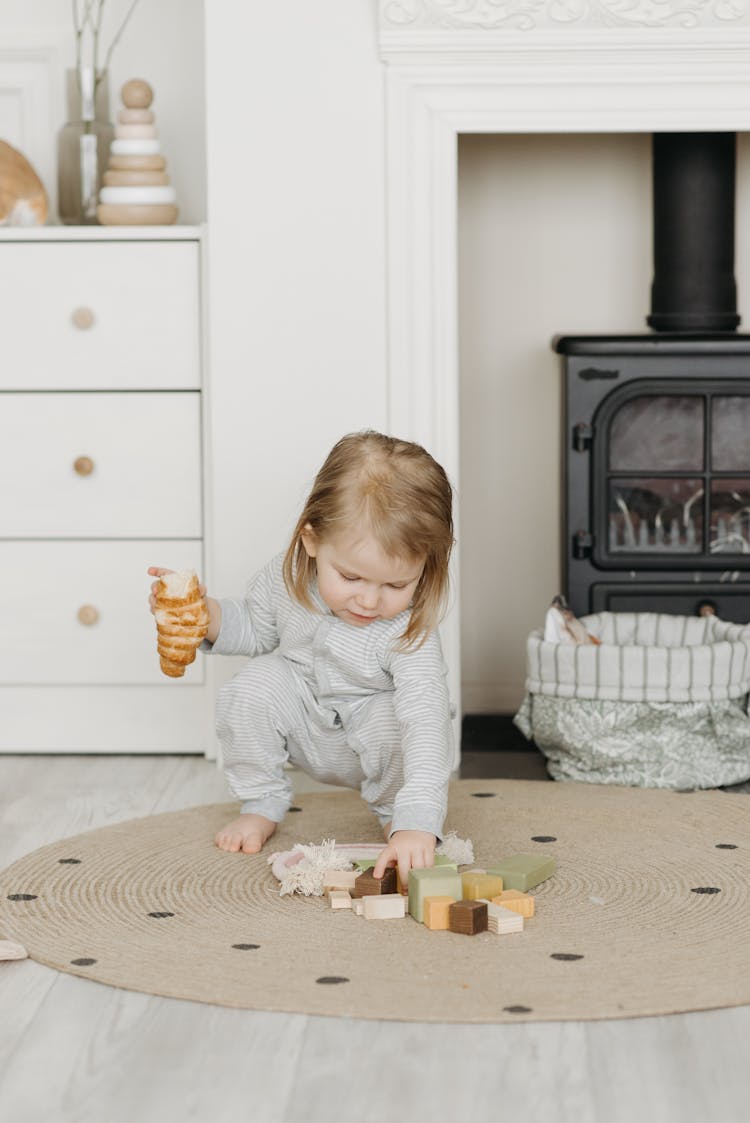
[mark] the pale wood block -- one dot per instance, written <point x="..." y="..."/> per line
<point x="339" y="899"/>
<point x="134" y="178"/>
<point x="138" y="163"/>
<point x="501" y="920"/>
<point x="141" y="196"/>
<point x="522" y="903"/>
<point x="358" y="905"/>
<point x="387" y="906"/>
<point x="435" y="913"/>
<point x="339" y="879"/>
<point x="480" y="886"/>
<point x="135" y="132"/>
<point x="114" y="214"/>
<point x="136" y="117"/>
<point x="146" y="147"/>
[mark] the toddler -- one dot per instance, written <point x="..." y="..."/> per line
<point x="346" y="676"/>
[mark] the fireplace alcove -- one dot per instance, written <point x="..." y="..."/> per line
<point x="452" y="70"/>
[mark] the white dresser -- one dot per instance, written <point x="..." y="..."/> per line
<point x="101" y="475"/>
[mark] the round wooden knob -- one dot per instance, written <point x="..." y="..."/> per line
<point x="83" y="318"/>
<point x="84" y="465"/>
<point x="88" y="615"/>
<point x="136" y="94"/>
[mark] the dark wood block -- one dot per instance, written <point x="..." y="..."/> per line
<point x="368" y="886"/>
<point x="468" y="917"/>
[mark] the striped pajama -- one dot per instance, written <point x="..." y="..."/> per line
<point x="336" y="700"/>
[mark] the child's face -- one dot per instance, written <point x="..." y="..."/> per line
<point x="360" y="583"/>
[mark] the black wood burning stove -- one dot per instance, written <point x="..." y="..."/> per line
<point x="656" y="435"/>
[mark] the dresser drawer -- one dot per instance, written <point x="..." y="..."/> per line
<point x="100" y="465"/>
<point x="46" y="585"/>
<point x="100" y="315"/>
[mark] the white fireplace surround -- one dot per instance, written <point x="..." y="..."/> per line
<point x="483" y="66"/>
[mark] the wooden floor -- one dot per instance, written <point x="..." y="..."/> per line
<point x="74" y="1051"/>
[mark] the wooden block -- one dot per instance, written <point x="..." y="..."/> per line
<point x="134" y="178"/>
<point x="435" y="913"/>
<point x="521" y="903"/>
<point x="387" y="906"/>
<point x="524" y="871"/>
<point x="115" y="214"/>
<point x="480" y="886"/>
<point x="366" y="885"/>
<point x="339" y="899"/>
<point x="468" y="917"/>
<point x="435" y="881"/>
<point x="339" y="879"/>
<point x="136" y="117"/>
<point x="501" y="920"/>
<point x="135" y="132"/>
<point x="138" y="163"/>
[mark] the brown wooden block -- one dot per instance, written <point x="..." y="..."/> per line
<point x="468" y="917"/>
<point x="367" y="885"/>
<point x="435" y="913"/>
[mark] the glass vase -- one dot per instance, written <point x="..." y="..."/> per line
<point x="83" y="146"/>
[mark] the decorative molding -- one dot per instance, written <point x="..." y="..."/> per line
<point x="561" y="15"/>
<point x="451" y="72"/>
<point x="29" y="83"/>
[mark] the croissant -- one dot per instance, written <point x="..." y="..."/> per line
<point x="181" y="621"/>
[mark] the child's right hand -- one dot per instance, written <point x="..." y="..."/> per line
<point x="214" y="609"/>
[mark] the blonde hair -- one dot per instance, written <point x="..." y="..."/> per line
<point x="403" y="497"/>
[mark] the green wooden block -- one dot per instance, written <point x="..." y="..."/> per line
<point x="437" y="881"/>
<point x="524" y="871"/>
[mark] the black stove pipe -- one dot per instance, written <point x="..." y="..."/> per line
<point x="694" y="288"/>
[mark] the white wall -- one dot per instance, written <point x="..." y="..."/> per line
<point x="554" y="237"/>
<point x="162" y="43"/>
<point x="296" y="260"/>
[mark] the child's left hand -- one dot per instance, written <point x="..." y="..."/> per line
<point x="409" y="850"/>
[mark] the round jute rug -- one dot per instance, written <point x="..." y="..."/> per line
<point x="648" y="912"/>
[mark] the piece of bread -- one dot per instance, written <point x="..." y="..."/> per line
<point x="181" y="617"/>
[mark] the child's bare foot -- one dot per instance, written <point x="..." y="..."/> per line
<point x="246" y="833"/>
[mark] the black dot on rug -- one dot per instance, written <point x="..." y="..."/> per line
<point x="706" y="889"/>
<point x="517" y="1009"/>
<point x="69" y="861"/>
<point x="543" y="838"/>
<point x="567" y="956"/>
<point x="22" y="896"/>
<point x="331" y="980"/>
<point x="246" y="947"/>
<point x="295" y="808"/>
<point x="82" y="962"/>
<point x="160" y="915"/>
<point x="484" y="795"/>
<point x="726" y="846"/>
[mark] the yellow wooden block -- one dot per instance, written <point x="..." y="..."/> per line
<point x="522" y="903"/>
<point x="479" y="886"/>
<point x="435" y="913"/>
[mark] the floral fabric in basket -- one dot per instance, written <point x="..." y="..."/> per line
<point x="659" y="702"/>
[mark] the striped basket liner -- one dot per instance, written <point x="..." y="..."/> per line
<point x="644" y="657"/>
